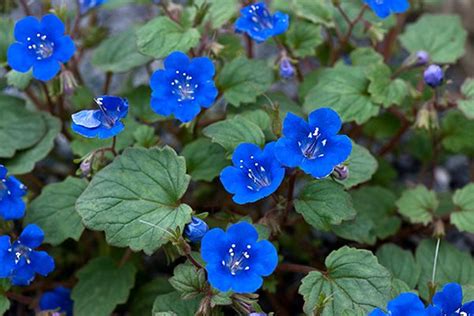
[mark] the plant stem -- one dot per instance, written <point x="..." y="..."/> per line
<point x="107" y="82"/>
<point x="293" y="267"/>
<point x="125" y="257"/>
<point x="249" y="45"/>
<point x="112" y="148"/>
<point x="435" y="261"/>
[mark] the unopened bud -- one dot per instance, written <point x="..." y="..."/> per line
<point x="195" y="230"/>
<point x="340" y="172"/>
<point x="68" y="82"/>
<point x="286" y="68"/>
<point x="434" y="76"/>
<point x="422" y="58"/>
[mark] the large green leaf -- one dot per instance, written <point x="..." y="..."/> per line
<point x="19" y="128"/>
<point x="354" y="279"/>
<point x="55" y="212"/>
<point x="453" y="265"/>
<point x="142" y="299"/>
<point x="243" y="80"/>
<point x="324" y="203"/>
<point x="463" y="216"/>
<point x="119" y="53"/>
<point x="162" y="36"/>
<point x="135" y="199"/>
<point x="344" y="89"/>
<point x="232" y="132"/>
<point x="418" y="204"/>
<point x="219" y="11"/>
<point x="315" y="11"/>
<point x="204" y="159"/>
<point x="102" y="286"/>
<point x="458" y="133"/>
<point x="365" y="56"/>
<point x="188" y="280"/>
<point x="303" y="38"/>
<point x="172" y="304"/>
<point x="383" y="89"/>
<point x="442" y="36"/>
<point x="467" y="105"/>
<point x="362" y="165"/>
<point x="24" y="160"/>
<point x="401" y="263"/>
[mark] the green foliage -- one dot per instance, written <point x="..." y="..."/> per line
<point x="141" y="186"/>
<point x="303" y="38"/>
<point x="383" y="89"/>
<point x="204" y="159"/>
<point x="401" y="263"/>
<point x="354" y="280"/>
<point x="4" y="304"/>
<point x="188" y="280"/>
<point x="362" y="165"/>
<point x="467" y="105"/>
<point x="171" y="304"/>
<point x="463" y="216"/>
<point x="19" y="80"/>
<point x="418" y="204"/>
<point x="458" y="133"/>
<point x="102" y="286"/>
<point x="6" y="29"/>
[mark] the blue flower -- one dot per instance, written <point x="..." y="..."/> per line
<point x="104" y="122"/>
<point x="406" y="304"/>
<point x="422" y="58"/>
<point x="183" y="87"/>
<point x="286" y="68"/>
<point x="87" y="5"/>
<point x="433" y="76"/>
<point x="19" y="262"/>
<point x="256" y="21"/>
<point x="12" y="190"/>
<point x="235" y="260"/>
<point x="58" y="300"/>
<point x="383" y="8"/>
<point x="315" y="147"/>
<point x="255" y="174"/>
<point x="448" y="302"/>
<point x="41" y="45"/>
<point x="196" y="229"/>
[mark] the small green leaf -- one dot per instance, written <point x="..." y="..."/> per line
<point x="4" y="304"/>
<point x="324" y="203"/>
<point x="442" y="36"/>
<point x="119" y="53"/>
<point x="162" y="36"/>
<point x="303" y="38"/>
<point x="418" y="204"/>
<point x="243" y="80"/>
<point x="204" y="159"/>
<point x="6" y="30"/>
<point x="344" y="89"/>
<point x="232" y="132"/>
<point x="315" y="11"/>
<point x="383" y="89"/>
<point x="55" y="212"/>
<point x="219" y="12"/>
<point x="458" y="133"/>
<point x="102" y="286"/>
<point x="188" y="280"/>
<point x="362" y="165"/>
<point x="172" y="304"/>
<point x="135" y="199"/>
<point x="19" y="80"/>
<point x="354" y="279"/>
<point x="365" y="56"/>
<point x="142" y="299"/>
<point x="400" y="262"/>
<point x="467" y="105"/>
<point x="463" y="218"/>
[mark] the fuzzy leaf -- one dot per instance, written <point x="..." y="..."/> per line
<point x="418" y="204"/>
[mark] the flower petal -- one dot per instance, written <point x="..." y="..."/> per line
<point x="52" y="25"/>
<point x="105" y="132"/>
<point x="295" y="127"/>
<point x="449" y="299"/>
<point x="32" y="236"/>
<point x="64" y="49"/>
<point x="400" y="6"/>
<point x="377" y="312"/>
<point x="219" y="277"/>
<point x="12" y="207"/>
<point x="162" y="106"/>
<point x="186" y="111"/>
<point x="242" y="232"/>
<point x="86" y="118"/>
<point x="266" y="258"/>
<point x="46" y="69"/>
<point x="23" y="276"/>
<point x="214" y="246"/>
<point x="326" y="119"/>
<point x="247" y="282"/>
<point x="19" y="58"/>
<point x="288" y="152"/>
<point x="201" y="68"/>
<point x="176" y="60"/>
<point x="41" y="262"/>
<point x="244" y="152"/>
<point x="26" y="27"/>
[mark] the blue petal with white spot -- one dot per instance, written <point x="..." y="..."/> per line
<point x="183" y="87"/>
<point x="19" y="261"/>
<point x="236" y="260"/>
<point x="383" y="8"/>
<point x="406" y="304"/>
<point x="12" y="190"/>
<point x="448" y="302"/>
<point x="255" y="173"/>
<point x="313" y="146"/>
<point x="41" y="45"/>
<point x="104" y="122"/>
<point x="259" y="24"/>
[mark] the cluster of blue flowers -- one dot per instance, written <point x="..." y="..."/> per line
<point x="447" y="302"/>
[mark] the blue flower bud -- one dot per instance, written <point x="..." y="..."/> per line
<point x="422" y="58"/>
<point x="196" y="229"/>
<point x="434" y="76"/>
<point x="341" y="172"/>
<point x="286" y="68"/>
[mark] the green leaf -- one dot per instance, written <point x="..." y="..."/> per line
<point x="4" y="304"/>
<point x="143" y="299"/>
<point x="24" y="160"/>
<point x="453" y="265"/>
<point x="365" y="56"/>
<point x="458" y="133"/>
<point x="219" y="12"/>
<point x="145" y="136"/>
<point x="418" y="204"/>
<point x="383" y="89"/>
<point x="19" y="80"/>
<point x="19" y="128"/>
<point x="171" y="304"/>
<point x="6" y="29"/>
<point x="467" y="105"/>
<point x="362" y="165"/>
<point x="354" y="279"/>
<point x="344" y="89"/>
<point x="102" y="286"/>
<point x="463" y="217"/>
<point x="119" y="53"/>
<point x="400" y="262"/>
<point x="140" y="106"/>
<point x="442" y="36"/>
<point x="399" y="287"/>
<point x="188" y="280"/>
<point x="140" y="186"/>
<point x="243" y="80"/>
<point x="303" y="38"/>
<point x="315" y="11"/>
<point x="324" y="203"/>
<point x="55" y="212"/>
<point x="204" y="159"/>
<point x="162" y="36"/>
<point x="232" y="132"/>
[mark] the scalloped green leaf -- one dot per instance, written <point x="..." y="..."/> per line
<point x="463" y="216"/>
<point x="418" y="204"/>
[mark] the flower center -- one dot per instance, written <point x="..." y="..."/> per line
<point x="256" y="173"/>
<point x="109" y="120"/>
<point x="41" y="46"/>
<point x="261" y="18"/>
<point x="237" y="263"/>
<point x="21" y="251"/>
<point x="312" y="144"/>
<point x="183" y="86"/>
